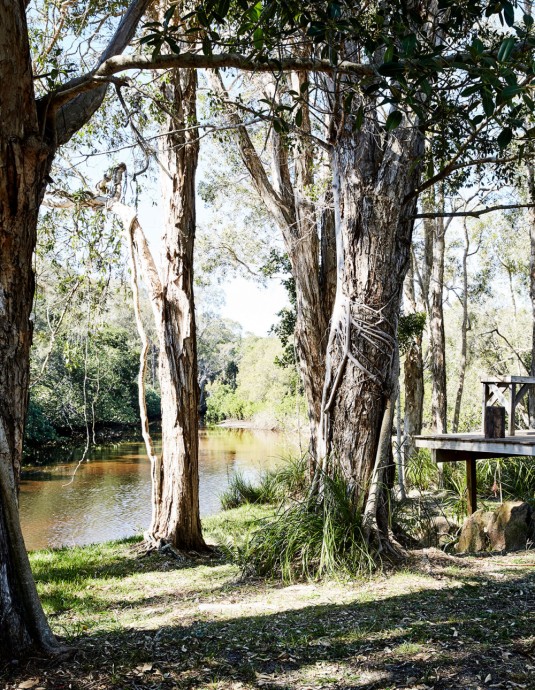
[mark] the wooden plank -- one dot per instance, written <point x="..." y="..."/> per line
<point x="443" y="455"/>
<point x="521" y="436"/>
<point x="508" y="379"/>
<point x="497" y="395"/>
<point x="471" y="485"/>
<point x="496" y="446"/>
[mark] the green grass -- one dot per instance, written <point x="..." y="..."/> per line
<point x="151" y="622"/>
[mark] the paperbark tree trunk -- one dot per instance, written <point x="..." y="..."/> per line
<point x="311" y="250"/>
<point x="27" y="147"/>
<point x="175" y="479"/>
<point x="25" y="161"/>
<point x="175" y="486"/>
<point x="531" y="193"/>
<point x="22" y="621"/>
<point x="437" y="338"/>
<point x="464" y="335"/>
<point x="374" y="175"/>
<point x="413" y="372"/>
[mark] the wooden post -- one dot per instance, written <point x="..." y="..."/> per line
<point x="512" y="406"/>
<point x="494" y="422"/>
<point x="471" y="485"/>
<point x="485" y="400"/>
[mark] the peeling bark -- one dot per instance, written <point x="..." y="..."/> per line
<point x="373" y="173"/>
<point x="175" y="486"/>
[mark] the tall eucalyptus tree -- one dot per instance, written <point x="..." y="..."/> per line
<point x="31" y="131"/>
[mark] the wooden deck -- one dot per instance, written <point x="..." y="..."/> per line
<point x="473" y="447"/>
<point x="451" y="447"/>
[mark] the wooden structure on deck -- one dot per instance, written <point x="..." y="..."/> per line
<point x="507" y="391"/>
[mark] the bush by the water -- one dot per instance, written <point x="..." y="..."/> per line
<point x="308" y="538"/>
<point x="273" y="486"/>
<point x="242" y="491"/>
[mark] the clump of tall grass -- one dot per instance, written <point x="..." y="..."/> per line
<point x="290" y="480"/>
<point x="510" y="478"/>
<point x="240" y="491"/>
<point x="421" y="471"/>
<point x="309" y="538"/>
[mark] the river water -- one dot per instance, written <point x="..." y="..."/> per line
<point x="109" y="495"/>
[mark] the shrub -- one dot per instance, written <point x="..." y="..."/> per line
<point x="241" y="491"/>
<point x="38" y="429"/>
<point x="290" y="480"/>
<point x="154" y="403"/>
<point x="421" y="471"/>
<point x="309" y="539"/>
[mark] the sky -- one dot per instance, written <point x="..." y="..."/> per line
<point x="252" y="305"/>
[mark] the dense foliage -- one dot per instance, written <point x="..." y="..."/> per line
<point x="262" y="391"/>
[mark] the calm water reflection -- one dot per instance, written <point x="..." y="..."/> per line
<point x="109" y="496"/>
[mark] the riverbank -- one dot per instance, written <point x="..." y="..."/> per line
<point x="141" y="622"/>
<point x="69" y="442"/>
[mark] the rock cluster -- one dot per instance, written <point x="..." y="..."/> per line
<point x="511" y="527"/>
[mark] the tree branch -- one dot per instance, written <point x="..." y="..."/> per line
<point x="277" y="206"/>
<point x="473" y="214"/>
<point x="115" y="64"/>
<point x="70" y="114"/>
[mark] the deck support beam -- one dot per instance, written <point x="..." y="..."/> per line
<point x="471" y="485"/>
<point x="469" y="448"/>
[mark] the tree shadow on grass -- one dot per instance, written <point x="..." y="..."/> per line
<point x="454" y="637"/>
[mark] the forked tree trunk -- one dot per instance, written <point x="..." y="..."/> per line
<point x="374" y="176"/>
<point x="311" y="251"/>
<point x="25" y="162"/>
<point x="175" y="486"/>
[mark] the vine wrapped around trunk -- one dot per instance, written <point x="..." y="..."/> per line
<point x="374" y="175"/>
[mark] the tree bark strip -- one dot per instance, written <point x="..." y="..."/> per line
<point x="175" y="497"/>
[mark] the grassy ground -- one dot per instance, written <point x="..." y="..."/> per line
<point x="148" y="622"/>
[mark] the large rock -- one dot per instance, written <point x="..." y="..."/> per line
<point x="474" y="534"/>
<point x="437" y="531"/>
<point x="508" y="528"/>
